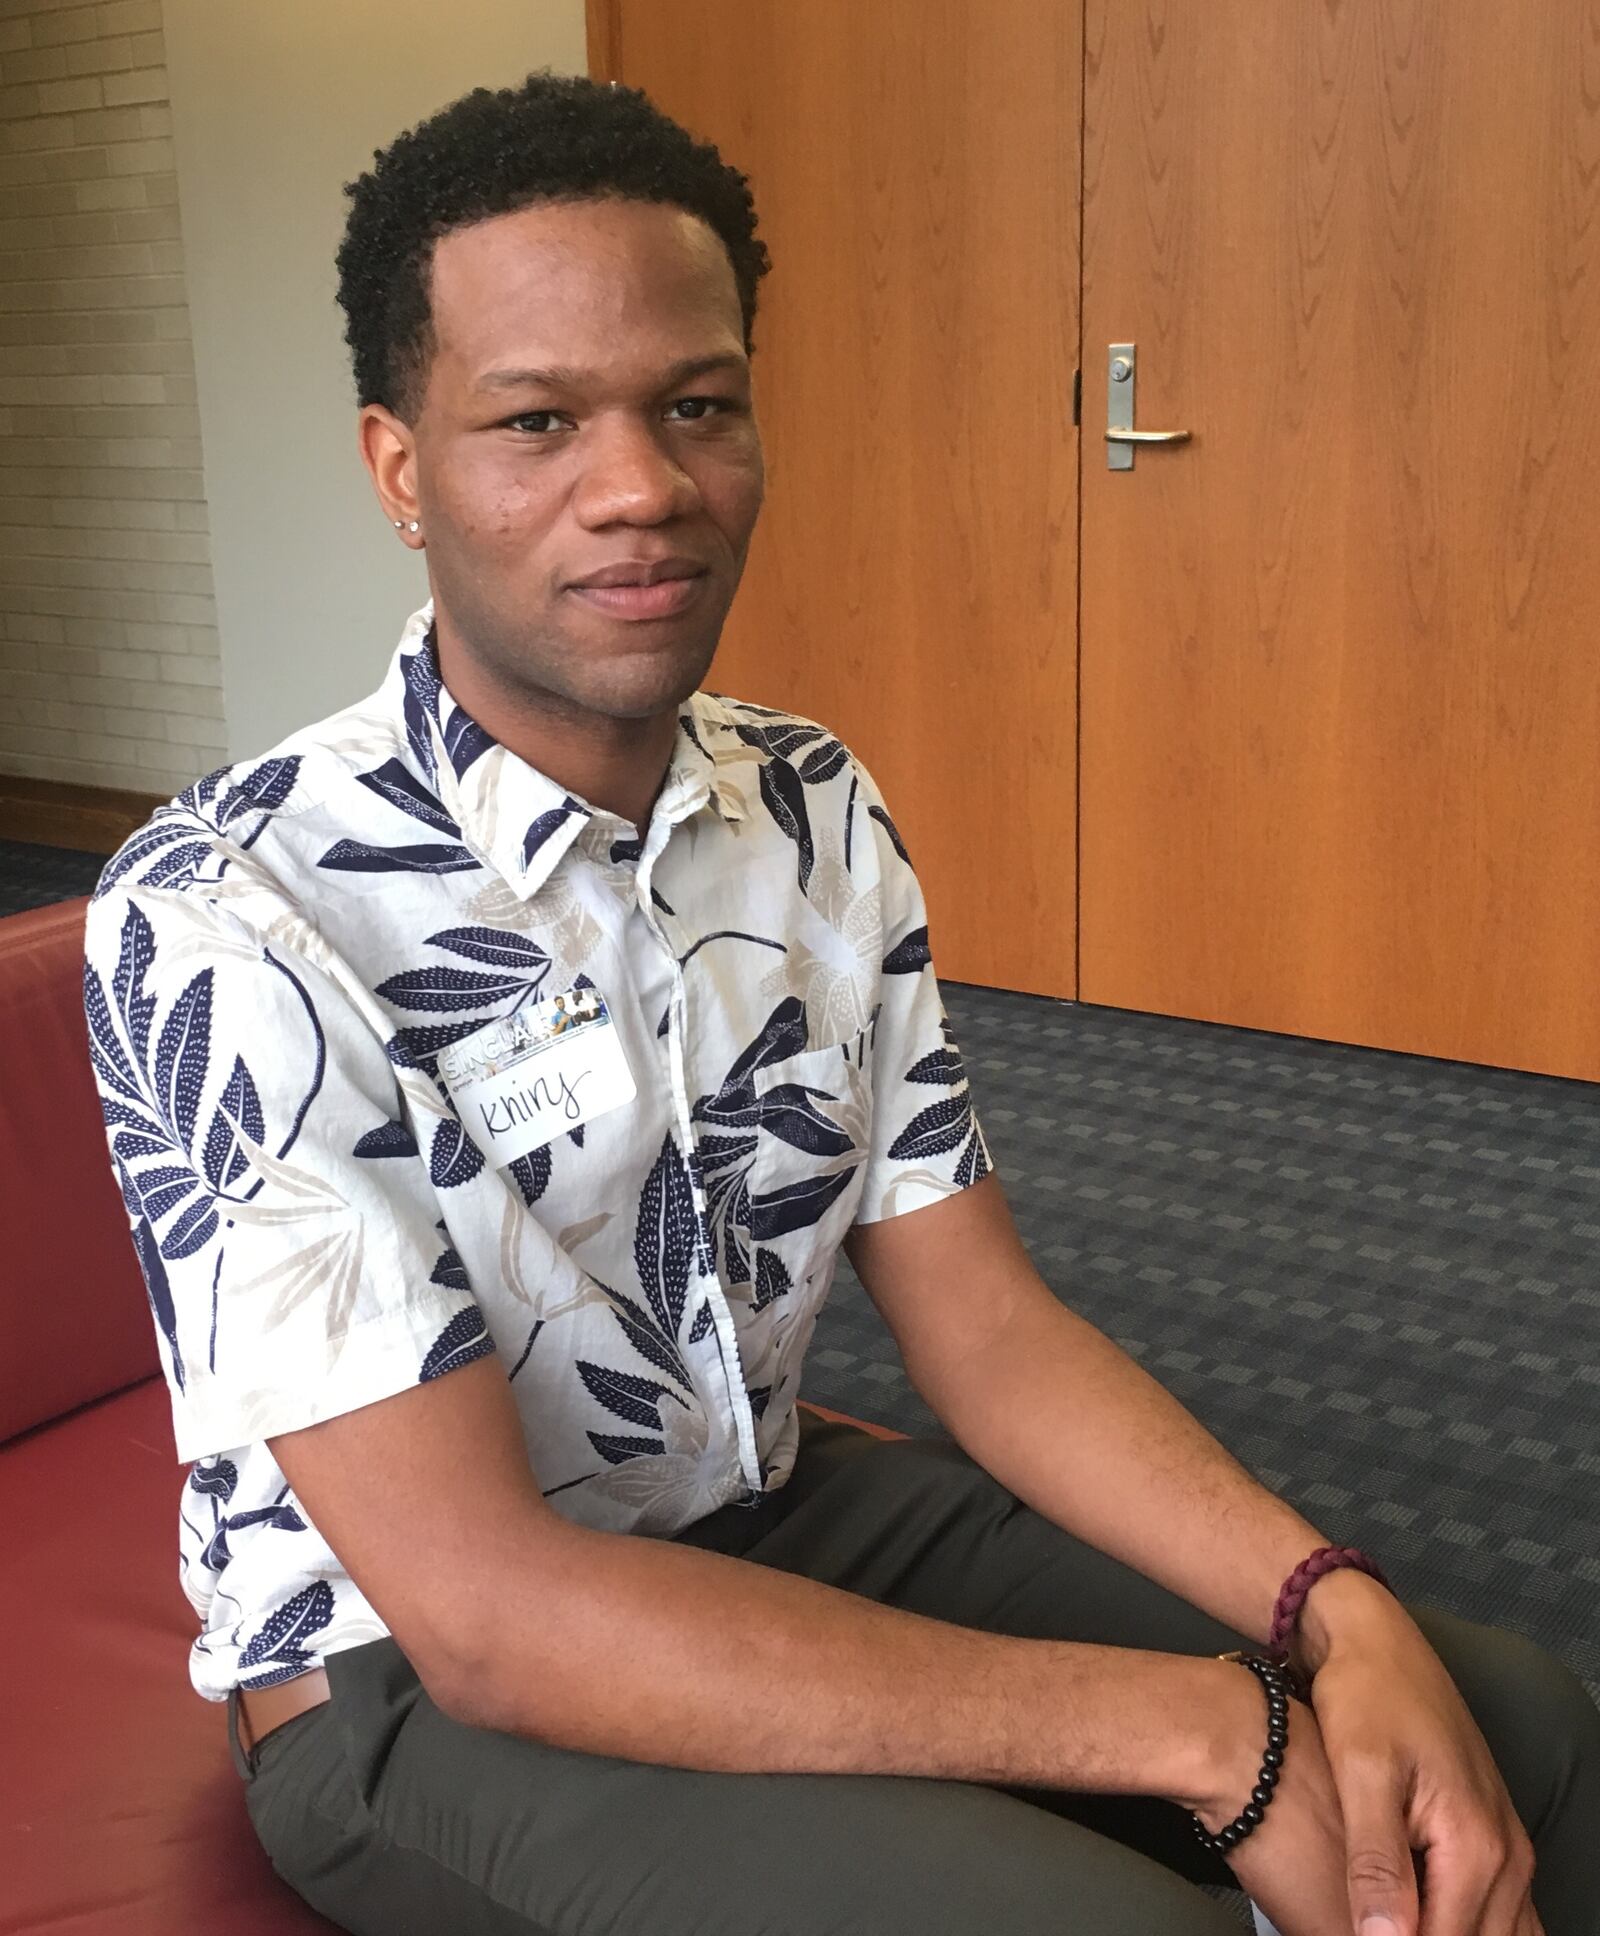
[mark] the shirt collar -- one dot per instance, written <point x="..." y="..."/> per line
<point x="510" y="814"/>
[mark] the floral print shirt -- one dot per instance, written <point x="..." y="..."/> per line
<point x="276" y="962"/>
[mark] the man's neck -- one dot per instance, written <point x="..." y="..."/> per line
<point x="616" y="764"/>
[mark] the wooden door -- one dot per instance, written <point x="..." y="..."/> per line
<point x="913" y="582"/>
<point x="1340" y="678"/>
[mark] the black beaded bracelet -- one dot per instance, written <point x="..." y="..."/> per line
<point x="1276" y="1685"/>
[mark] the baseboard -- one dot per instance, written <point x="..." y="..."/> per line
<point x="56" y="813"/>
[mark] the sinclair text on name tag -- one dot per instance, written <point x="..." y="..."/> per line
<point x="531" y="1076"/>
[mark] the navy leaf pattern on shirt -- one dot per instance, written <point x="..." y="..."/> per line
<point x="783" y="793"/>
<point x="772" y="1280"/>
<point x="111" y="1064"/>
<point x="787" y="737"/>
<point x="162" y="1188"/>
<point x="170" y="851"/>
<point x="447" y="988"/>
<point x="159" y="1291"/>
<point x="358" y="857"/>
<point x="218" y="1553"/>
<point x="116" y="1112"/>
<point x="282" y="1638"/>
<point x="665" y="1238"/>
<point x="725" y="1165"/>
<point x="881" y="815"/>
<point x="388" y="1139"/>
<point x="947" y="1124"/>
<point x="617" y="1451"/>
<point x="823" y="762"/>
<point x="638" y="1400"/>
<point x="190" y="1232"/>
<point x="449" y="1269"/>
<point x="216" y="1478"/>
<point x="531" y="1174"/>
<point x="934" y="1131"/>
<point x="454" y="1158"/>
<point x="205" y="789"/>
<point x="394" y="782"/>
<point x="646" y="1336"/>
<point x="938" y="1065"/>
<point x="137" y="951"/>
<point x="464" y="1338"/>
<point x="418" y="1048"/>
<point x="501" y="947"/>
<point x="181" y="1056"/>
<point x="223" y="1159"/>
<point x="974" y="1164"/>
<point x="166" y="853"/>
<point x="425" y="701"/>
<point x="263" y="790"/>
<point x="464" y="740"/>
<point x="796" y="1206"/>
<point x="782" y="1035"/>
<point x="167" y="1099"/>
<point x="789" y="1112"/>
<point x="910" y="955"/>
<point x="423" y="696"/>
<point x="548" y="824"/>
<point x="524" y="967"/>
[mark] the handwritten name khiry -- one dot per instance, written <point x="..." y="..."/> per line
<point x="527" y="1105"/>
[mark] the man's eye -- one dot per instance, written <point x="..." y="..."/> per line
<point x="536" y="421"/>
<point x="697" y="409"/>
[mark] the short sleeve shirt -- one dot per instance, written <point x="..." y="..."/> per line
<point x="277" y="961"/>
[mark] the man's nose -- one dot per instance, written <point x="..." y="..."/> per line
<point x="630" y="477"/>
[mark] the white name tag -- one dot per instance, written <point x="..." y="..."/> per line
<point x="532" y="1076"/>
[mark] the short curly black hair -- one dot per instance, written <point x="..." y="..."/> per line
<point x="556" y="138"/>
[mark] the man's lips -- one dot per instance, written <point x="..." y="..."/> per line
<point x="640" y="590"/>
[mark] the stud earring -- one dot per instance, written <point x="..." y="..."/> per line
<point x="400" y="524"/>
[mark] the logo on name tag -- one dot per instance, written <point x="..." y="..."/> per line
<point x="531" y="1076"/>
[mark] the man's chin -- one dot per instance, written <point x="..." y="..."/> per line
<point x="642" y="684"/>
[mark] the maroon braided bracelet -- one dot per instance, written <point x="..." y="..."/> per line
<point x="1292" y="1596"/>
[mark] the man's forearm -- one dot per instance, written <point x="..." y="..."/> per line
<point x="1067" y="1421"/>
<point x="651" y="1651"/>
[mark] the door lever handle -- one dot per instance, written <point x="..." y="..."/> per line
<point x="1120" y="433"/>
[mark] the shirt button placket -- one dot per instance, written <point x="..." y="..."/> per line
<point x="710" y="1283"/>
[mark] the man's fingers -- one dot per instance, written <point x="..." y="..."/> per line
<point x="1510" y="1910"/>
<point x="1476" y="1884"/>
<point x="1378" y="1869"/>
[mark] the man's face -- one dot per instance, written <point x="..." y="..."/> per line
<point x="588" y="468"/>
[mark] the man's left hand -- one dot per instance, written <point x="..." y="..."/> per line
<point x="1413" y="1773"/>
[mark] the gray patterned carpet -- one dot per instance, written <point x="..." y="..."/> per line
<point x="1372" y="1276"/>
<point x="31" y="876"/>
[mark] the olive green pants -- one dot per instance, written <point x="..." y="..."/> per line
<point x="396" y="1821"/>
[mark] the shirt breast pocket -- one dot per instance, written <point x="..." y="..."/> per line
<point x="812" y="1147"/>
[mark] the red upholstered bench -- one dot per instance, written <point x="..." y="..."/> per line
<point x="122" y="1813"/>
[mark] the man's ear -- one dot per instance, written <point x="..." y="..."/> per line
<point x="388" y="449"/>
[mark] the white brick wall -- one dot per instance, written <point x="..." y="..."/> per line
<point x="110" y="672"/>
